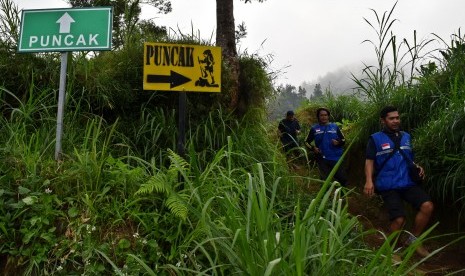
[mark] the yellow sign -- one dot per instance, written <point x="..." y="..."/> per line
<point x="177" y="67"/>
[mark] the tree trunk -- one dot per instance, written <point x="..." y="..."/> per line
<point x="226" y="39"/>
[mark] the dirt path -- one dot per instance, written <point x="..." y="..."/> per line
<point x="372" y="215"/>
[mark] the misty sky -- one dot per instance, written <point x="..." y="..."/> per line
<point x="312" y="37"/>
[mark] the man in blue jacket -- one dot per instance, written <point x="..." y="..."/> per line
<point x="388" y="158"/>
<point x="328" y="145"/>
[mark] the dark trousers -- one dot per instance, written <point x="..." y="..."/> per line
<point x="326" y="166"/>
<point x="289" y="146"/>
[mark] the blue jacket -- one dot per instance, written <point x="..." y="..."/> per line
<point x="323" y="134"/>
<point x="394" y="174"/>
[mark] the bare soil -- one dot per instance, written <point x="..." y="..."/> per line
<point x="448" y="261"/>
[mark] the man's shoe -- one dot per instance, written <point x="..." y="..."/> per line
<point x="421" y="250"/>
<point x="396" y="259"/>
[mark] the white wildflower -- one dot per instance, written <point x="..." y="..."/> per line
<point x="48" y="191"/>
<point x="136" y="235"/>
<point x="178" y="264"/>
<point x="59" y="268"/>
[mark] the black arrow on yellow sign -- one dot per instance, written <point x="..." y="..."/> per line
<point x="174" y="79"/>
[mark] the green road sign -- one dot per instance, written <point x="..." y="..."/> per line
<point x="60" y="30"/>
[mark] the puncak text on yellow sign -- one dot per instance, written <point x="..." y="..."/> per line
<point x="177" y="67"/>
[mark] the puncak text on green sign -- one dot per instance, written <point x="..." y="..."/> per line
<point x="63" y="40"/>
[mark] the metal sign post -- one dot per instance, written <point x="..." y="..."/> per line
<point x="182" y="124"/>
<point x="61" y="104"/>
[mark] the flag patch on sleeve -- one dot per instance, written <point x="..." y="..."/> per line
<point x="385" y="146"/>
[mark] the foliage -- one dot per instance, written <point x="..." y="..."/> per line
<point x="166" y="182"/>
<point x="255" y="82"/>
<point x="125" y="15"/>
<point x="231" y="202"/>
<point x="123" y="202"/>
<point x="430" y="103"/>
<point x="151" y="133"/>
<point x="108" y="83"/>
<point x="288" y="97"/>
<point x="21" y="74"/>
<point x="31" y="224"/>
<point x="9" y="22"/>
<point x="390" y="71"/>
<point x="317" y="92"/>
<point x="380" y="79"/>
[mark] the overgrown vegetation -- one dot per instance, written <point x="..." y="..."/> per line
<point x="431" y="100"/>
<point x="231" y="203"/>
<point x="123" y="202"/>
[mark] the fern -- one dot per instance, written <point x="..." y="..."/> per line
<point x="177" y="204"/>
<point x="165" y="182"/>
<point x="178" y="165"/>
<point x="158" y="183"/>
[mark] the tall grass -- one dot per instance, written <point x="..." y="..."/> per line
<point x="235" y="226"/>
<point x="430" y="100"/>
<point x="438" y="136"/>
<point x="155" y="130"/>
<point x="441" y="146"/>
<point x="123" y="202"/>
<point x="26" y="142"/>
<point x="230" y="207"/>
<point x="381" y="79"/>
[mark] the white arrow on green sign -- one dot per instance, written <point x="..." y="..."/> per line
<point x="59" y="30"/>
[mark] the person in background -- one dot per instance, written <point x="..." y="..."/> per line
<point x="288" y="129"/>
<point x="388" y="157"/>
<point x="328" y="149"/>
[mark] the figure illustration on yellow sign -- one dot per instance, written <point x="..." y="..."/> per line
<point x="206" y="70"/>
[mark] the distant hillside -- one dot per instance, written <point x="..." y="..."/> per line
<point x="338" y="81"/>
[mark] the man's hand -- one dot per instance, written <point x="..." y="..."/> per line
<point x="369" y="188"/>
<point x="422" y="171"/>
<point x="335" y="142"/>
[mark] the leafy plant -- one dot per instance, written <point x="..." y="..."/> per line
<point x="167" y="183"/>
